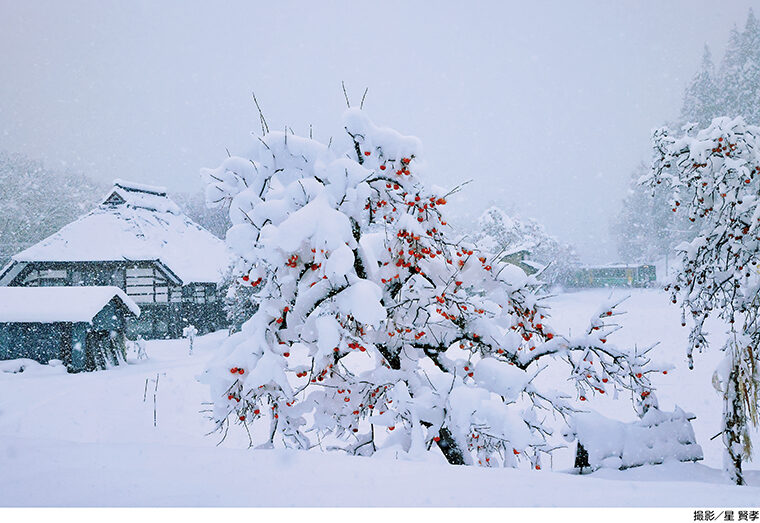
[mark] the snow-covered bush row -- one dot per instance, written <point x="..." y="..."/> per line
<point x="375" y="329"/>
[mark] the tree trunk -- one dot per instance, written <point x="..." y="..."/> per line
<point x="734" y="423"/>
<point x="449" y="447"/>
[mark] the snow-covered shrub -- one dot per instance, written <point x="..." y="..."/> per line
<point x="374" y="329"/>
<point x="714" y="177"/>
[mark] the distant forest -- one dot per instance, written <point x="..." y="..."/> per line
<point x="645" y="228"/>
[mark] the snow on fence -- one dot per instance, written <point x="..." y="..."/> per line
<point x="653" y="439"/>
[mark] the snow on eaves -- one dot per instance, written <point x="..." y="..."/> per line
<point x="58" y="304"/>
<point x="139" y="225"/>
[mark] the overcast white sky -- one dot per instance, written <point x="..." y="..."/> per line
<point x="547" y="107"/>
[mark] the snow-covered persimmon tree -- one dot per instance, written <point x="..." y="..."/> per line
<point x="714" y="177"/>
<point x="374" y="329"/>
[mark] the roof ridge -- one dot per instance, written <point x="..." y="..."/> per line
<point x="140" y="187"/>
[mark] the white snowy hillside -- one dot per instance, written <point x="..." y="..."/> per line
<point x="90" y="440"/>
<point x="136" y="222"/>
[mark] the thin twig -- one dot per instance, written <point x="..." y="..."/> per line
<point x="361" y="105"/>
<point x="264" y="125"/>
<point x="348" y="104"/>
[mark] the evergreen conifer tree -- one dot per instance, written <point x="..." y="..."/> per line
<point x="700" y="103"/>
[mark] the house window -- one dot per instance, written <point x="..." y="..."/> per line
<point x="53" y="274"/>
<point x="199" y="294"/>
<point x="47" y="278"/>
<point x="146" y="285"/>
<point x="162" y="293"/>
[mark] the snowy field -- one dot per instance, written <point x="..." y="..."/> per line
<point x="90" y="440"/>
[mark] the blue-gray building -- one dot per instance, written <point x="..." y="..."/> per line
<point x="84" y="327"/>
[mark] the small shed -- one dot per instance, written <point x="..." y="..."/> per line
<point x="84" y="327"/>
<point x="518" y="256"/>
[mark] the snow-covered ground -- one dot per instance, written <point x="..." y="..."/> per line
<point x="652" y="318"/>
<point x="89" y="440"/>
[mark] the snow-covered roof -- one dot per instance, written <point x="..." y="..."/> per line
<point x="536" y="265"/>
<point x="141" y="196"/>
<point x="58" y="304"/>
<point x="137" y="222"/>
<point x="522" y="247"/>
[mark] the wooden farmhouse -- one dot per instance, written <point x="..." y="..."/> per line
<point x="139" y="241"/>
<point x="83" y="327"/>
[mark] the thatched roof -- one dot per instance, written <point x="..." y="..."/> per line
<point x="136" y="222"/>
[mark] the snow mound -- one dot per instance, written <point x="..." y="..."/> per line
<point x="29" y="367"/>
<point x="655" y="438"/>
